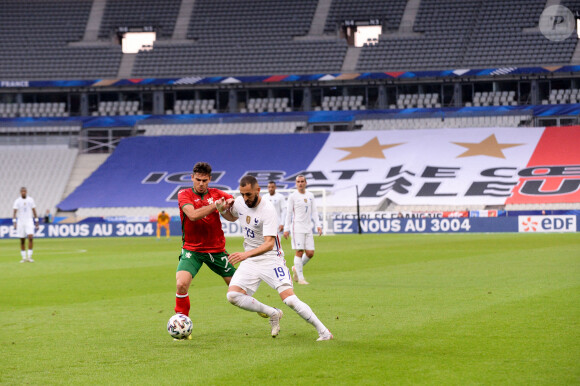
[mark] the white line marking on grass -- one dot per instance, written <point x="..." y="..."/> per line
<point x="65" y="252"/>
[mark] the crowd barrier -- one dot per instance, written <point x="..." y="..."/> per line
<point x="338" y="224"/>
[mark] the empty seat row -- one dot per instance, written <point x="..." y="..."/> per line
<point x="563" y="96"/>
<point x="44" y="109"/>
<point x="449" y="122"/>
<point x="39" y="129"/>
<point x="494" y="98"/>
<point x="193" y="106"/>
<point x="221" y="128"/>
<point x="271" y="105"/>
<point x="118" y="108"/>
<point x="421" y="100"/>
<point x="340" y="102"/>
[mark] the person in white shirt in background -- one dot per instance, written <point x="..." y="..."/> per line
<point x="279" y="202"/>
<point x="300" y="212"/>
<point x="262" y="260"/>
<point x="25" y="222"/>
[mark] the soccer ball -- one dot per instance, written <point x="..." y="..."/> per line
<point x="179" y="326"/>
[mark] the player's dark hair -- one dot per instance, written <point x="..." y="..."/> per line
<point x="202" y="168"/>
<point x="272" y="182"/>
<point x="251" y="180"/>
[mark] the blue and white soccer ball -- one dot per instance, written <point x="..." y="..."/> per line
<point x="179" y="326"/>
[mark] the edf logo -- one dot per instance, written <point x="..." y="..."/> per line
<point x="546" y="223"/>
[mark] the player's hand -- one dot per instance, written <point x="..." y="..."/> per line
<point x="237" y="257"/>
<point x="319" y="231"/>
<point x="220" y="205"/>
<point x="229" y="203"/>
<point x="286" y="234"/>
<point x="280" y="228"/>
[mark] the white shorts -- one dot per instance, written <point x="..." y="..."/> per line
<point x="303" y="241"/>
<point x="24" y="229"/>
<point x="252" y="271"/>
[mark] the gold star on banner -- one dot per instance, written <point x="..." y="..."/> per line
<point x="489" y="147"/>
<point x="371" y="149"/>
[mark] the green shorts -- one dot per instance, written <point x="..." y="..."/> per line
<point x="191" y="262"/>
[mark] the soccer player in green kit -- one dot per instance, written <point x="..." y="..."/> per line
<point x="203" y="237"/>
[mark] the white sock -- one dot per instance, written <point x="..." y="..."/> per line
<point x="30" y="253"/>
<point x="298" y="266"/>
<point x="23" y="254"/>
<point x="305" y="312"/>
<point x="249" y="303"/>
<point x="305" y="260"/>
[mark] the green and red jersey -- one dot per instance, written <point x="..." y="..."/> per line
<point x="206" y="234"/>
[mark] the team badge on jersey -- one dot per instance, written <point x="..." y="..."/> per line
<point x="306" y="200"/>
<point x="248" y="219"/>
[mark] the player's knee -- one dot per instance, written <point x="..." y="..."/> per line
<point x="310" y="254"/>
<point x="234" y="297"/>
<point x="182" y="287"/>
<point x="290" y="301"/>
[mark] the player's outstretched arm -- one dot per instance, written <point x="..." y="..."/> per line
<point x="197" y="214"/>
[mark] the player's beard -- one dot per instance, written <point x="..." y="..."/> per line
<point x="253" y="203"/>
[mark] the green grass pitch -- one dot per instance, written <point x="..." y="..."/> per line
<point x="404" y="309"/>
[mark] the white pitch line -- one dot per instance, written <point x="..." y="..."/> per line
<point x="62" y="252"/>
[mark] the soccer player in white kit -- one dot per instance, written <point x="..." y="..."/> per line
<point x="300" y="212"/>
<point x="262" y="259"/>
<point x="25" y="222"/>
<point x="279" y="202"/>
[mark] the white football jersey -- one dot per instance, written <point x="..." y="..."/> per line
<point x="24" y="209"/>
<point x="279" y="202"/>
<point x="300" y="212"/>
<point x="256" y="223"/>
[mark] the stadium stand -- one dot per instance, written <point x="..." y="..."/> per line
<point x="43" y="169"/>
<point x="238" y="38"/>
<point x="43" y="40"/>
<point x="257" y="56"/>
<point x="161" y="15"/>
<point x="389" y="12"/>
<point x="235" y="20"/>
<point x="35" y="38"/>
<point x="467" y="34"/>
